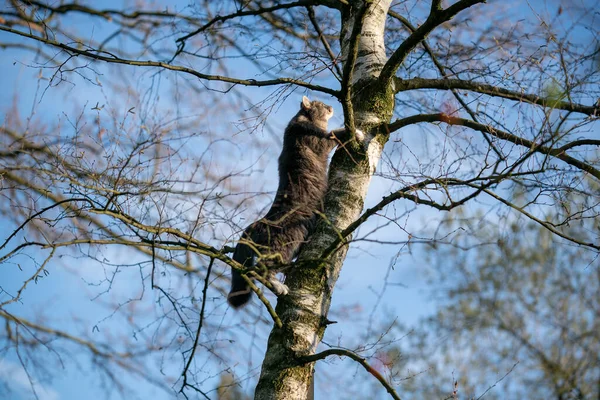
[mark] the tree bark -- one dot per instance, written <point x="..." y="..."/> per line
<point x="303" y="311"/>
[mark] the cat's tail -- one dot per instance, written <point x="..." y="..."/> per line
<point x="240" y="292"/>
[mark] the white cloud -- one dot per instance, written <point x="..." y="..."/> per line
<point x="13" y="376"/>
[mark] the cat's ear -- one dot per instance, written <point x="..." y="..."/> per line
<point x="305" y="103"/>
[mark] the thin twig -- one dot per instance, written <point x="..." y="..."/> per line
<point x="361" y="360"/>
<point x="198" y="331"/>
<point x="352" y="54"/>
<point x="558" y="153"/>
<point x="264" y="300"/>
<point x="111" y="58"/>
<point x="315" y="24"/>
<point x="491" y="90"/>
<point x="436" y="18"/>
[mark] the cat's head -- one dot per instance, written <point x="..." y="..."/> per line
<point x="316" y="112"/>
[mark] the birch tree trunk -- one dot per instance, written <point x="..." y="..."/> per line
<point x="304" y="311"/>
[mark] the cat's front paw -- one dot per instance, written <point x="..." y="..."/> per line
<point x="360" y="135"/>
<point x="278" y="288"/>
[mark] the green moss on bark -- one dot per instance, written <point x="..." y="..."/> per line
<point x="375" y="97"/>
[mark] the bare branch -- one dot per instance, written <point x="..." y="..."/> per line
<point x="63" y="335"/>
<point x="450" y="84"/>
<point x="264" y="300"/>
<point x="315" y="24"/>
<point x="32" y="278"/>
<point x="405" y="193"/>
<point x="443" y="72"/>
<point x="238" y="14"/>
<point x="436" y="17"/>
<point x="545" y="224"/>
<point x="558" y="153"/>
<point x="350" y="59"/>
<point x="37" y="214"/>
<point x="111" y="58"/>
<point x="200" y="321"/>
<point x="105" y="13"/>
<point x="361" y="360"/>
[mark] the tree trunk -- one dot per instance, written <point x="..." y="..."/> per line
<point x="303" y="312"/>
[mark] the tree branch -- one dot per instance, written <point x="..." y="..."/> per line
<point x="17" y="296"/>
<point x="332" y="56"/>
<point x="450" y="84"/>
<point x="404" y="193"/>
<point x="119" y="358"/>
<point x="37" y="214"/>
<point x="63" y="335"/>
<point x="351" y="55"/>
<point x="240" y="13"/>
<point x="443" y="72"/>
<point x="200" y="321"/>
<point x="203" y="249"/>
<point x="350" y="354"/>
<point x="111" y="58"/>
<point x="346" y="92"/>
<point x="105" y="13"/>
<point x="264" y="300"/>
<point x="96" y="222"/>
<point x="545" y="224"/>
<point x="558" y="153"/>
<point x="488" y="181"/>
<point x="436" y="17"/>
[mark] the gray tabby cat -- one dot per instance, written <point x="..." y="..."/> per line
<point x="274" y="240"/>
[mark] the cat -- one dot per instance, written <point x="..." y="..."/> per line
<point x="275" y="239"/>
